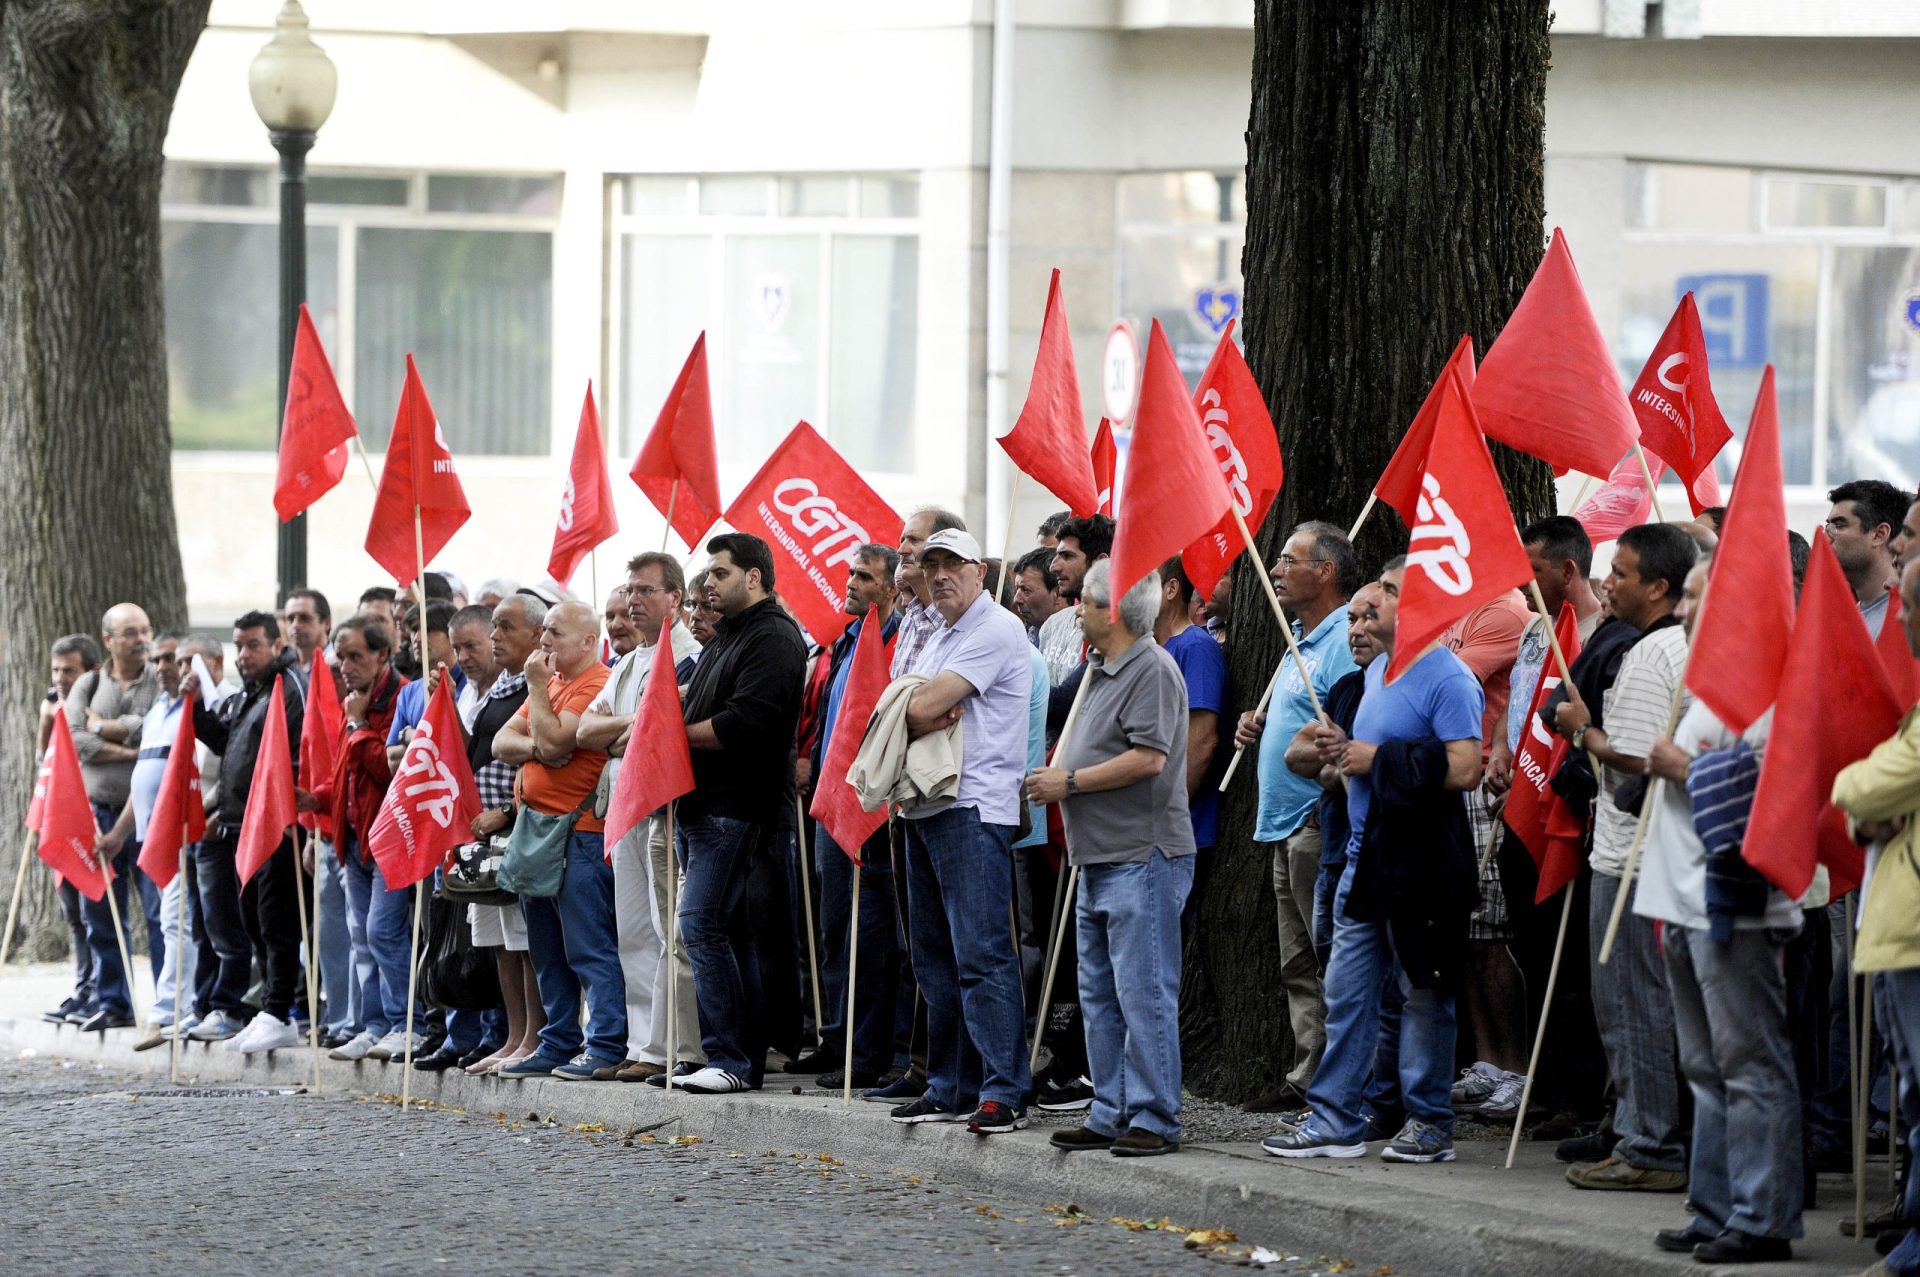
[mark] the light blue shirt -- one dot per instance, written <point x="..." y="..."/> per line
<point x="988" y="648"/>
<point x="1286" y="800"/>
<point x="1437" y="696"/>
<point x="1037" y="745"/>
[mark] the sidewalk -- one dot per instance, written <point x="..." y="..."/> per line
<point x="1466" y="1217"/>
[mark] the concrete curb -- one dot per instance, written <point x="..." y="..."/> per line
<point x="1375" y="1212"/>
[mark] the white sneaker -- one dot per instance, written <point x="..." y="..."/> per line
<point x="238" y="1042"/>
<point x="184" y="1029"/>
<point x="355" y="1049"/>
<point x="217" y="1027"/>
<point x="1475" y="1085"/>
<point x="712" y="1081"/>
<point x="391" y="1047"/>
<point x="1505" y="1100"/>
<point x="273" y="1034"/>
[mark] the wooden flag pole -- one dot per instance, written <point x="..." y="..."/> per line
<point x="1853" y="1025"/>
<point x="180" y="931"/>
<point x="1365" y="510"/>
<point x="1493" y="845"/>
<point x="1266" y="699"/>
<point x="1540" y="1031"/>
<point x="673" y="944"/>
<point x="1560" y="658"/>
<point x="13" y="906"/>
<point x="1063" y="894"/>
<point x="847" y="1016"/>
<point x="1653" y="489"/>
<point x="310" y="952"/>
<point x="666" y="539"/>
<point x="1580" y="493"/>
<point x="313" y="997"/>
<point x="120" y="934"/>
<point x="366" y="464"/>
<point x="1006" y="542"/>
<point x="1863" y="1081"/>
<point x="1279" y="613"/>
<point x="806" y="908"/>
<point x="419" y="892"/>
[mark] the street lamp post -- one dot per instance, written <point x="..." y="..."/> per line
<point x="293" y="83"/>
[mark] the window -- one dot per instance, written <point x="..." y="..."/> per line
<point x="1181" y="236"/>
<point x="1817" y="274"/>
<point x="456" y="269"/>
<point x="808" y="288"/>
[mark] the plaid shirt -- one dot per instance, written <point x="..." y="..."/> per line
<point x="494" y="781"/>
<point x="918" y="622"/>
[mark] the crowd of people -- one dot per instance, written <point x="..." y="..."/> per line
<point x="1040" y="727"/>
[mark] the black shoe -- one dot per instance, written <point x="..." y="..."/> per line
<point x="1681" y="1241"/>
<point x="478" y="1054"/>
<point x="81" y="1014"/>
<point x="1586" y="1148"/>
<point x="1736" y="1247"/>
<point x="333" y="1039"/>
<point x="1064" y="1097"/>
<point x="680" y="1070"/>
<point x="837" y="1080"/>
<point x="60" y="1013"/>
<point x="435" y="1061"/>
<point x="1281" y="1099"/>
<point x="1384" y="1126"/>
<point x="101" y="1021"/>
<point x="1140" y="1142"/>
<point x="817" y="1061"/>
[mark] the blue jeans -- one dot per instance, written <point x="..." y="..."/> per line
<point x="575" y="950"/>
<point x="1324" y="888"/>
<point x="876" y="991"/>
<point x="1634" y="1011"/>
<point x="1363" y="961"/>
<point x="1899" y="1000"/>
<point x="224" y="962"/>
<point x="341" y="991"/>
<point x="959" y="885"/>
<point x="369" y="1002"/>
<point x="1128" y="918"/>
<point x="1730" y="1011"/>
<point x="716" y="855"/>
<point x="109" y="976"/>
<point x="390" y="936"/>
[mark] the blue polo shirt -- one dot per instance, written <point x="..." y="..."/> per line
<point x="1286" y="800"/>
<point x="410" y="706"/>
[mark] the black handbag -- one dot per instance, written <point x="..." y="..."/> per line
<point x="453" y="973"/>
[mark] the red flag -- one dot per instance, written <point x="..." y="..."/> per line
<point x="1679" y="421"/>
<point x="835" y="805"/>
<point x="1233" y="414"/>
<point x="1740" y="640"/>
<point x="1173" y="491"/>
<point x="418" y="473"/>
<point x="179" y="817"/>
<point x="270" y="804"/>
<point x="315" y="428"/>
<point x="658" y="766"/>
<point x="1548" y="385"/>
<point x="1621" y="502"/>
<point x="1831" y="662"/>
<point x="1049" y="441"/>
<point x="677" y="466"/>
<point x="66" y="825"/>
<point x="1538" y="816"/>
<point x="1464" y="549"/>
<point x="1903" y="672"/>
<point x="586" y="505"/>
<point x="1106" y="459"/>
<point x="1399" y="484"/>
<point x="815" y="511"/>
<point x="432" y="803"/>
<point x="41" y="778"/>
<point x="322" y="728"/>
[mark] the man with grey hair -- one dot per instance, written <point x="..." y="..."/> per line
<point x="1122" y="779"/>
<point x="496" y="591"/>
<point x="918" y="617"/>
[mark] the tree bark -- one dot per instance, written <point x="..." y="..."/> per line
<point x="1394" y="201"/>
<point x="86" y="492"/>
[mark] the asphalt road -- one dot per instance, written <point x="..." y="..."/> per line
<point x="101" y="1172"/>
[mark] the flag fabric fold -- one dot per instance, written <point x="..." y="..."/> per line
<point x="179" y="817"/>
<point x="1234" y="418"/>
<point x="1105" y="457"/>
<point x="65" y="819"/>
<point x="835" y="803"/>
<point x="270" y="803"/>
<point x="1048" y="441"/>
<point x="1673" y="401"/>
<point x="1399" y="484"/>
<point x="678" y="467"/>
<point x="322" y="728"/>
<point x="314" y="429"/>
<point x="418" y="472"/>
<point x="658" y="765"/>
<point x="1537" y="815"/>
<point x="431" y="805"/>
<point x="586" y="517"/>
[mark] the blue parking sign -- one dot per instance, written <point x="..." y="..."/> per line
<point x="1734" y="316"/>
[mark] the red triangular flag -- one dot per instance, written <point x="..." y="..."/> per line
<point x="315" y="428"/>
<point x="1049" y="441"/>
<point x="1621" y="502"/>
<point x="321" y="730"/>
<point x="677" y="466"/>
<point x="270" y="804"/>
<point x="40" y="780"/>
<point x="1548" y="386"/>
<point x="1740" y="641"/>
<point x="1831" y="662"/>
<point x="1173" y="492"/>
<point x="835" y="804"/>
<point x="1903" y="672"/>
<point x="1233" y="414"/>
<point x="66" y="826"/>
<point x="1464" y="549"/>
<point x="1105" y="458"/>
<point x="658" y="766"/>
<point x="586" y="504"/>
<point x="1533" y="811"/>
<point x="1399" y="484"/>
<point x="431" y="805"/>
<point x="179" y="817"/>
<point x="1679" y="421"/>
<point x="418" y="474"/>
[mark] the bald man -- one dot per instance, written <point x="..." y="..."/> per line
<point x="105" y="710"/>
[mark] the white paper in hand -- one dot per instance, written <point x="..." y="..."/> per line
<point x="211" y="693"/>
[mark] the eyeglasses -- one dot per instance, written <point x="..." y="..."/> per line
<point x="646" y="591"/>
<point x="1288" y="563"/>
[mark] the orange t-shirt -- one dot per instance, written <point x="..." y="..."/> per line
<point x="559" y="790"/>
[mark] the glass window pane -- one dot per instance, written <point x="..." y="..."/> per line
<point x="214" y="184"/>
<point x="737" y="196"/>
<point x="223" y="327"/>
<point x="1179" y="199"/>
<point x="1191" y="284"/>
<point x="1757" y="304"/>
<point x="874" y="345"/>
<point x="1873" y="406"/>
<point x="658" y="196"/>
<point x="814" y="196"/>
<point x="890" y="197"/>
<point x="526" y="196"/>
<point x="476" y="310"/>
<point x="770" y="373"/>
<point x="664" y="295"/>
<point x="1689" y="197"/>
<point x="384" y="192"/>
<point x="1798" y="203"/>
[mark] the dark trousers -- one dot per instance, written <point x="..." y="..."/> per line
<point x="225" y="954"/>
<point x="912" y="1030"/>
<point x="270" y="911"/>
<point x="111" y="980"/>
<point x="77" y="935"/>
<point x="1066" y="1037"/>
<point x="767" y="930"/>
<point x="1572" y="1072"/>
<point x="878" y="988"/>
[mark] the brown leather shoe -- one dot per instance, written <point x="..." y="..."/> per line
<point x="636" y="1071"/>
<point x="1618" y="1176"/>
<point x="1140" y="1142"/>
<point x="1080" y="1140"/>
<point x="150" y="1039"/>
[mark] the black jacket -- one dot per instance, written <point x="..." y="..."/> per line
<point x="233" y="729"/>
<point x="749" y="682"/>
<point x="1417" y="871"/>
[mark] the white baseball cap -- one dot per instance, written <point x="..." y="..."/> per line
<point x="955" y="542"/>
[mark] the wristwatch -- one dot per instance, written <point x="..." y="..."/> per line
<point x="356" y="725"/>
<point x="1579" y="733"/>
<point x="1073" y="786"/>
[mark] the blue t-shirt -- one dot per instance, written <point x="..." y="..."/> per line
<point x="1204" y="666"/>
<point x="1037" y="746"/>
<point x="1286" y="799"/>
<point x="410" y="706"/>
<point x="1437" y="697"/>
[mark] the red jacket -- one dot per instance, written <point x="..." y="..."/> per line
<point x="361" y="774"/>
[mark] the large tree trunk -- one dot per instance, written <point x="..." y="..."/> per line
<point x="86" y="490"/>
<point x="1394" y="202"/>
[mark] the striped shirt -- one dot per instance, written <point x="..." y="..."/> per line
<point x="1638" y="706"/>
<point x="918" y="623"/>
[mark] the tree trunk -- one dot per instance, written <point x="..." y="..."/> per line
<point x="1394" y="201"/>
<point x="86" y="491"/>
